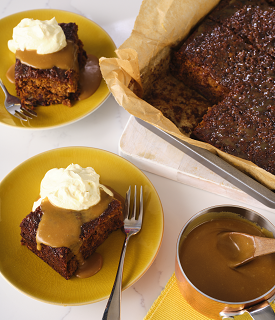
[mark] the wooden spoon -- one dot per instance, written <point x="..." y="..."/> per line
<point x="239" y="248"/>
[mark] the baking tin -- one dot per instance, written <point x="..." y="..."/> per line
<point x="218" y="165"/>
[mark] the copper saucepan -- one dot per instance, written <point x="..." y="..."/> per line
<point x="258" y="308"/>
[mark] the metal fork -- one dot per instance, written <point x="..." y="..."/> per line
<point x="13" y="106"/>
<point x="132" y="225"/>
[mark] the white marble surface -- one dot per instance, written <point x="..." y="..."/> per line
<point x="179" y="201"/>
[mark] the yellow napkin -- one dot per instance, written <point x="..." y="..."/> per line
<point x="171" y="305"/>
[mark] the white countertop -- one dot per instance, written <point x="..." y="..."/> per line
<point x="179" y="201"/>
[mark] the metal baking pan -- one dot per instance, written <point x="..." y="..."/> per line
<point x="218" y="165"/>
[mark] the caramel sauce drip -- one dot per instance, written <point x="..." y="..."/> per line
<point x="11" y="73"/>
<point x="62" y="227"/>
<point x="90" y="77"/>
<point x="90" y="266"/>
<point x="63" y="59"/>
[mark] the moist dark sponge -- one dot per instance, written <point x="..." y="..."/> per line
<point x="183" y="106"/>
<point x="243" y="125"/>
<point x="51" y="86"/>
<point x="93" y="234"/>
<point x="230" y="60"/>
<point x="214" y="60"/>
<point x="253" y="21"/>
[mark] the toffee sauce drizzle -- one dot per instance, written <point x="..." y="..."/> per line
<point x="62" y="228"/>
<point x="65" y="58"/>
<point x="89" y="77"/>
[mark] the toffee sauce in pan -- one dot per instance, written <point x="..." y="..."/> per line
<point x="210" y="271"/>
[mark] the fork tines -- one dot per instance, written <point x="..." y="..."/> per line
<point x="132" y="214"/>
<point x="140" y="217"/>
<point x="27" y="112"/>
<point x="23" y="113"/>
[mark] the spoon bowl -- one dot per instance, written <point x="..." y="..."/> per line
<point x="240" y="248"/>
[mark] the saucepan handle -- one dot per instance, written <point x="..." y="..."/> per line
<point x="262" y="312"/>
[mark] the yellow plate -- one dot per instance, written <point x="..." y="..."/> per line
<point x="31" y="275"/>
<point x="96" y="41"/>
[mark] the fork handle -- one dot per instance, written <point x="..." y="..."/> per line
<point x="3" y="87"/>
<point x="112" y="310"/>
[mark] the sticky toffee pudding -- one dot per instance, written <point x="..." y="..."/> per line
<point x="60" y="77"/>
<point x="66" y="239"/>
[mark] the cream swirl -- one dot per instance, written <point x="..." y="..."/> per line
<point x="43" y="36"/>
<point x="74" y="188"/>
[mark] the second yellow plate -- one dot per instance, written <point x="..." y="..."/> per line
<point x="24" y="270"/>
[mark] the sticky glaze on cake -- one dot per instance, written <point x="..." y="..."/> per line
<point x="93" y="234"/>
<point x="214" y="60"/>
<point x="253" y="21"/>
<point x="243" y="125"/>
<point x="229" y="59"/>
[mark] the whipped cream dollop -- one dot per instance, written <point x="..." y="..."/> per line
<point x="43" y="36"/>
<point x="74" y="188"/>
